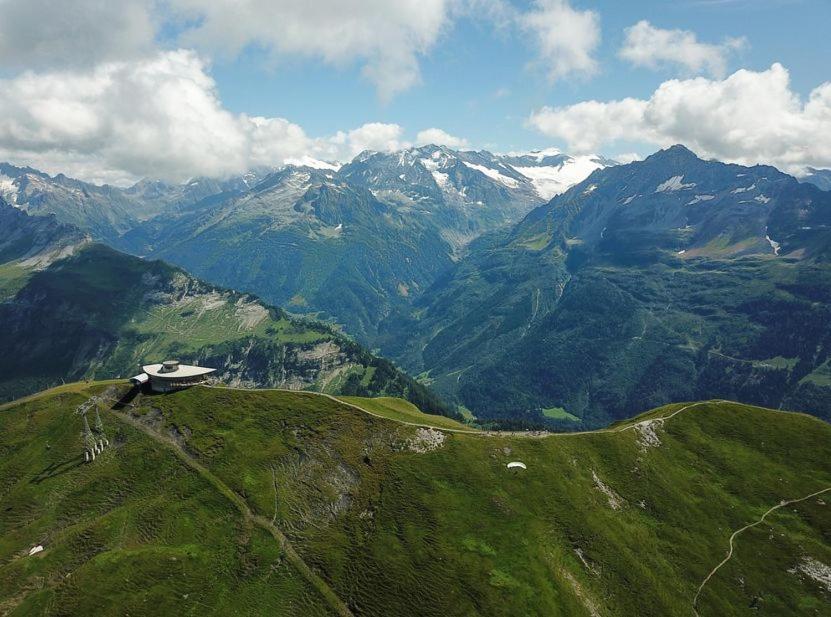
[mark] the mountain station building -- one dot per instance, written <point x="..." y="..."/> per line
<point x="170" y="375"/>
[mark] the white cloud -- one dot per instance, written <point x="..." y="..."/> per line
<point x="440" y="138"/>
<point x="749" y="117"/>
<point x="386" y="37"/>
<point x="500" y="13"/>
<point x="566" y="37"/>
<point x="159" y="117"/>
<point x="387" y="40"/>
<point x="589" y="125"/>
<point x="652" y="47"/>
<point x="627" y="157"/>
<point x="46" y="33"/>
<point x="375" y="136"/>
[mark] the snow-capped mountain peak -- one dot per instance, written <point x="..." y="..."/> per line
<point x="9" y="189"/>
<point x="552" y="172"/>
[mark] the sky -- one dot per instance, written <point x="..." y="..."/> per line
<point x="172" y="89"/>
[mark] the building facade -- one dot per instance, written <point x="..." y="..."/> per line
<point x="171" y="375"/>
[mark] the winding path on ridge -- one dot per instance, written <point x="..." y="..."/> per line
<point x="620" y="429"/>
<point x="529" y="434"/>
<point x="319" y="583"/>
<point x="736" y="533"/>
<point x="328" y="594"/>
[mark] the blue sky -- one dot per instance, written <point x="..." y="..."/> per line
<point x="172" y="89"/>
<point x="479" y="83"/>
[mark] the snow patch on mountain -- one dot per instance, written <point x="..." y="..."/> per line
<point x="676" y="183"/>
<point x="493" y="174"/>
<point x="773" y="243"/>
<point x="430" y="164"/>
<point x="9" y="190"/>
<point x="443" y="180"/>
<point x="700" y="198"/>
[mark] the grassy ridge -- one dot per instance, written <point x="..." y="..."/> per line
<point x="402" y="411"/>
<point x="400" y="522"/>
<point x="136" y="533"/>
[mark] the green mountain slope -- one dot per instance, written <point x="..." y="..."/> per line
<point x="292" y="503"/>
<point x="669" y="278"/>
<point x="72" y="310"/>
<point x="307" y="242"/>
<point x="352" y="244"/>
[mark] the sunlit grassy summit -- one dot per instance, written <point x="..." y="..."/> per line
<point x="217" y="501"/>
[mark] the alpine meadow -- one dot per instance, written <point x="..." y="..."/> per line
<point x="431" y="307"/>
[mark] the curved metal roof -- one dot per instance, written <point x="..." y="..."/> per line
<point x="184" y="370"/>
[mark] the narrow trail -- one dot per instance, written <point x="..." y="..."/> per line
<point x="526" y="434"/>
<point x="328" y="594"/>
<point x="736" y="533"/>
<point x="294" y="558"/>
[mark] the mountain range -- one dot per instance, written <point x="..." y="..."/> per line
<point x="635" y="285"/>
<point x="347" y="243"/>
<point x="72" y="308"/>
<point x="660" y="280"/>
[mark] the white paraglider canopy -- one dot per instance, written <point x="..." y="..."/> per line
<point x="516" y="465"/>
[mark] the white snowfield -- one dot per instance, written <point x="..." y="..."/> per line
<point x="442" y="179"/>
<point x="493" y="174"/>
<point x="552" y="181"/>
<point x="433" y="166"/>
<point x="8" y="189"/>
<point x="547" y="180"/>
